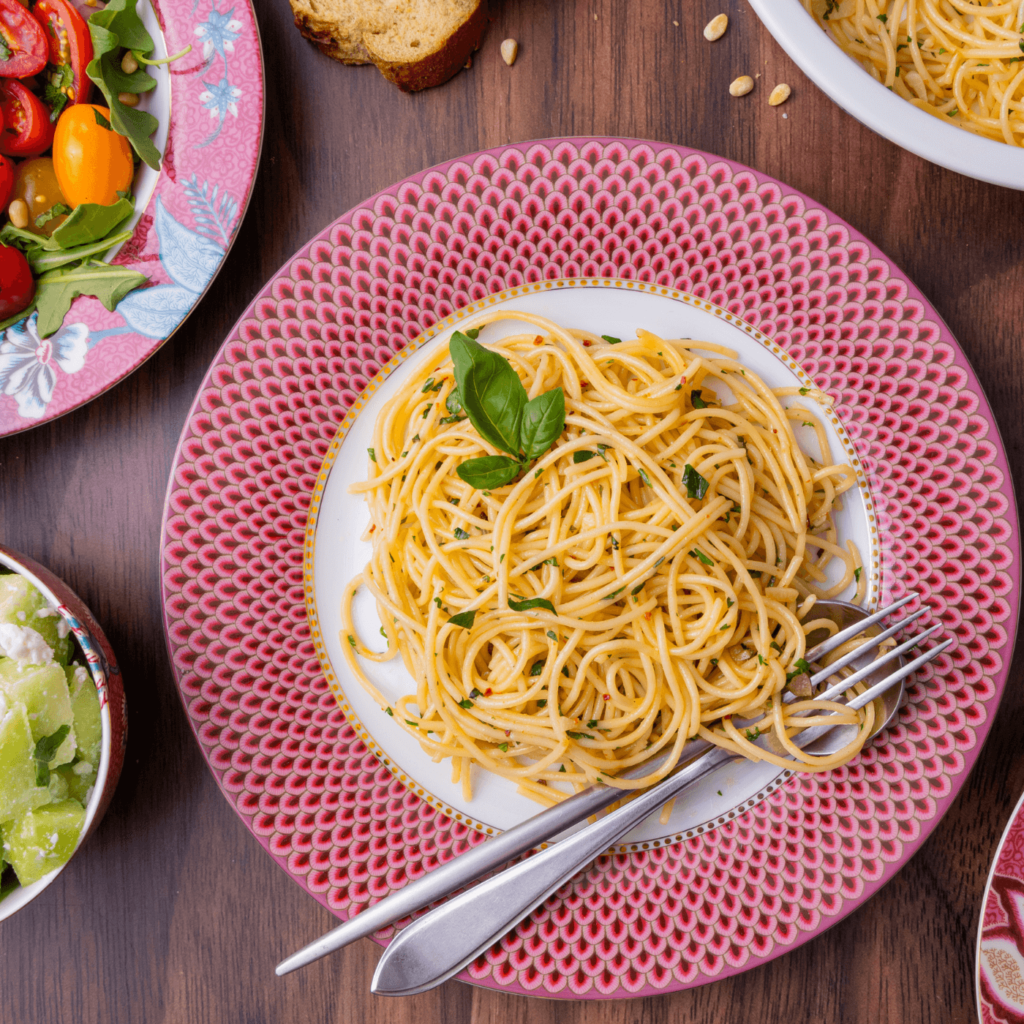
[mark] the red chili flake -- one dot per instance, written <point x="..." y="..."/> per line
<point x="586" y="344"/>
<point x="682" y="380"/>
<point x="584" y="384"/>
<point x="508" y="732"/>
<point x="605" y="697"/>
<point x="538" y="340"/>
<point x="487" y="692"/>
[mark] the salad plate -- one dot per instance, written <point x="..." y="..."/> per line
<point x="776" y="865"/>
<point x="209" y="106"/>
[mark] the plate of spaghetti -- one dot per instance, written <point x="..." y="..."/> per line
<point x="633" y="564"/>
<point x="941" y="78"/>
<point x="681" y="402"/>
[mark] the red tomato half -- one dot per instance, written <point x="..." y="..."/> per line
<point x="16" y="284"/>
<point x="26" y="49"/>
<point x="6" y="181"/>
<point x="27" y="128"/>
<point x="70" y="44"/>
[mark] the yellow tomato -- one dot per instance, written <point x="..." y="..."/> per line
<point x="92" y="163"/>
<point x="36" y="183"/>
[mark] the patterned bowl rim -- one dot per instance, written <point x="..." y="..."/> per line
<point x="845" y="82"/>
<point x="414" y="348"/>
<point x="987" y="897"/>
<point x="157" y="344"/>
<point x="910" y="846"/>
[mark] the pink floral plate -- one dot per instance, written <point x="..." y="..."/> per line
<point x="210" y="107"/>
<point x="779" y="868"/>
<point x="1000" y="952"/>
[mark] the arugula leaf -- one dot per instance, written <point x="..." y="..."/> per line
<point x="58" y="81"/>
<point x="102" y="121"/>
<point x="520" y="604"/>
<point x="118" y="25"/>
<point x="464" y="619"/>
<point x="696" y="485"/>
<point x="43" y="259"/>
<point x="57" y="289"/>
<point x="543" y="420"/>
<point x="90" y="222"/>
<point x="488" y="471"/>
<point x="45" y="751"/>
<point x="490" y="391"/>
<point x="57" y="210"/>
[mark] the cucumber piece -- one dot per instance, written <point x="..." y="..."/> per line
<point x="85" y="707"/>
<point x="19" y="792"/>
<point x="22" y="605"/>
<point x="43" y="690"/>
<point x="40" y="840"/>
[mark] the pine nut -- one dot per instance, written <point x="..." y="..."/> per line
<point x="129" y="65"/>
<point x="509" y="50"/>
<point x="716" y="27"/>
<point x="129" y="99"/>
<point x="779" y="94"/>
<point x="741" y="86"/>
<point x="18" y="212"/>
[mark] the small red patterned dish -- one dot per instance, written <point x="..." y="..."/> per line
<point x="210" y="107"/>
<point x="999" y="960"/>
<point x="113" y="714"/>
<point x="779" y="867"/>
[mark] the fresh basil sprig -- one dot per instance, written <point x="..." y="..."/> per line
<point x="493" y="397"/>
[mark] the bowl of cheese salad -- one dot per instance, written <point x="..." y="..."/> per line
<point x="62" y="727"/>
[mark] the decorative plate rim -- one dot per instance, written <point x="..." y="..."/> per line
<point x="1008" y="624"/>
<point x="150" y="346"/>
<point x="413" y="349"/>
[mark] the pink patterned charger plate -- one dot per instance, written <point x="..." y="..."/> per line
<point x="189" y="213"/>
<point x="1000" y="952"/>
<point x="777" y="873"/>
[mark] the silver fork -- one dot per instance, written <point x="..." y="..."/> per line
<point x="701" y="755"/>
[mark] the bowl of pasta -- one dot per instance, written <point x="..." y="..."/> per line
<point x="944" y="80"/>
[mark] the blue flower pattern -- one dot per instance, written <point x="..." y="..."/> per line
<point x="218" y="34"/>
<point x="29" y="364"/>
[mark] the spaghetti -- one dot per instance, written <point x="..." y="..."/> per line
<point x="961" y="60"/>
<point x="649" y="578"/>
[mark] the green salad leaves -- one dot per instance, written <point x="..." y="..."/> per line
<point x="493" y="397"/>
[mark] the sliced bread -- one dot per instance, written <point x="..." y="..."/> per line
<point x="415" y="43"/>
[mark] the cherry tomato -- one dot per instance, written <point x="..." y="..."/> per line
<point x="27" y="128"/>
<point x="16" y="284"/>
<point x="92" y="163"/>
<point x="6" y="182"/>
<point x="25" y="50"/>
<point x="35" y="182"/>
<point x="70" y="47"/>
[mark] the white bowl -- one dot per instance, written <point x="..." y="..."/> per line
<point x="846" y="82"/>
<point x="107" y="677"/>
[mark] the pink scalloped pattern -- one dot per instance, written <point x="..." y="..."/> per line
<point x="332" y="816"/>
<point x="202" y="149"/>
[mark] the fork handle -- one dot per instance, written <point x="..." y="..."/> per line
<point x="439" y="944"/>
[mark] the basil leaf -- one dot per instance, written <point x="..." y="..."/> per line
<point x="519" y="604"/>
<point x="490" y="391"/>
<point x="543" y="421"/>
<point x="579" y="735"/>
<point x="461" y="534"/>
<point x="700" y="556"/>
<point x="696" y="485"/>
<point x="488" y="471"/>
<point x="537" y="667"/>
<point x="611" y="340"/>
<point x="45" y="751"/>
<point x="464" y="619"/>
<point x="697" y="401"/>
<point x="582" y="456"/>
<point x="453" y="403"/>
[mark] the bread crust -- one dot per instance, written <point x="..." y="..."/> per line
<point x="437" y="67"/>
<point x="324" y="33"/>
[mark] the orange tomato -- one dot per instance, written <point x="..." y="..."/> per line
<point x="92" y="163"/>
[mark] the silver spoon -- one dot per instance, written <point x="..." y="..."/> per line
<point x="441" y="943"/>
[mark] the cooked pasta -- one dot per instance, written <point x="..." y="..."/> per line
<point x="649" y="578"/>
<point x="961" y="60"/>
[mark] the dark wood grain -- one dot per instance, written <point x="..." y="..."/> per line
<point x="172" y="913"/>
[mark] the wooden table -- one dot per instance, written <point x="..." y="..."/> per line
<point x="172" y="912"/>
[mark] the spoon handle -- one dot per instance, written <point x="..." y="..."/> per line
<point x="442" y="942"/>
<point x="476" y="862"/>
